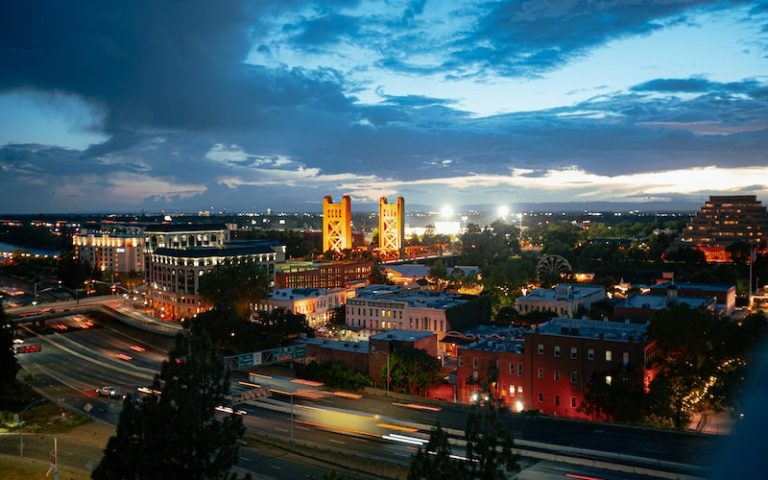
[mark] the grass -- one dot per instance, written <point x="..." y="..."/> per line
<point x="45" y="417"/>
<point x="15" y="468"/>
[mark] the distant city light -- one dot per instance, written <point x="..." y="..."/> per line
<point x="446" y="211"/>
<point x="503" y="211"/>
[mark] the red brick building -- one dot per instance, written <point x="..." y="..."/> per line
<point x="322" y="274"/>
<point x="383" y="344"/>
<point x="549" y="370"/>
<point x="353" y="355"/>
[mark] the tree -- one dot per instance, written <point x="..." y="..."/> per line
<point x="489" y="444"/>
<point x="488" y="452"/>
<point x="9" y="366"/>
<point x="235" y="287"/>
<point x="176" y="434"/>
<point x="621" y="398"/>
<point x="435" y="462"/>
<point x="412" y="370"/>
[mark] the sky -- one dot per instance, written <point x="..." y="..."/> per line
<point x="154" y="105"/>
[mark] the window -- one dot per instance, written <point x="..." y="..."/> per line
<point x="557" y="400"/>
<point x="541" y="397"/>
<point x="511" y="389"/>
<point x="608" y="355"/>
<point x="540" y="350"/>
<point x="474" y="362"/>
<point x="590" y="354"/>
<point x="520" y="390"/>
<point x="461" y="361"/>
<point x="511" y="368"/>
<point x="520" y="369"/>
<point x="574" y="353"/>
<point x="557" y="351"/>
<point x="608" y="379"/>
<point x="541" y="373"/>
<point x="625" y="358"/>
<point x="557" y="375"/>
<point x="574" y="377"/>
<point x="573" y="402"/>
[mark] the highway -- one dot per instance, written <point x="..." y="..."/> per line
<point x="75" y="360"/>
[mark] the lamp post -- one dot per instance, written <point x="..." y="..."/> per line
<point x="386" y="394"/>
<point x="21" y="425"/>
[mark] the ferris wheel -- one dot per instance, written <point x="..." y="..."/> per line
<point x="553" y="265"/>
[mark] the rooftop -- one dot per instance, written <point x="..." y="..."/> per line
<point x="706" y="287"/>
<point x="615" y="331"/>
<point x="563" y="292"/>
<point x="402" y="335"/>
<point x="180" y="227"/>
<point x="413" y="297"/>
<point x="497" y="345"/>
<point x="227" y="250"/>
<point x="418" y="270"/>
<point x="359" y="347"/>
<point x="660" y="302"/>
<point x="299" y="293"/>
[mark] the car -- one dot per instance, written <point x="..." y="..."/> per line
<point x="111" y="392"/>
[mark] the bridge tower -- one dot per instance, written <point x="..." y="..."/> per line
<point x="337" y="224"/>
<point x="392" y="226"/>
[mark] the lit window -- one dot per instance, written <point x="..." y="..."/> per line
<point x="608" y="355"/>
<point x="625" y="358"/>
<point x="608" y="379"/>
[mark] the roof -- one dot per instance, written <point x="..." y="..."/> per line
<point x="224" y="251"/>
<point x="660" y="302"/>
<point x="614" y="331"/>
<point x="402" y="335"/>
<point x="300" y="293"/>
<point x="357" y="347"/>
<point x="497" y="345"/>
<point x="419" y="270"/>
<point x="562" y="292"/>
<point x="180" y="227"/>
<point x="704" y="287"/>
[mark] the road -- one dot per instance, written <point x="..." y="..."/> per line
<point x="74" y="361"/>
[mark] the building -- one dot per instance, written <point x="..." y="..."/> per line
<point x="381" y="308"/>
<point x="185" y="236"/>
<point x="563" y="300"/>
<point x="723" y="295"/>
<point x="352" y="355"/>
<point x="492" y="366"/>
<point x="548" y="368"/>
<point x="301" y="274"/>
<point x="173" y="275"/>
<point x="337" y="224"/>
<point x="314" y="303"/>
<point x="410" y="274"/>
<point x="563" y="355"/>
<point x="391" y="227"/>
<point x="118" y="252"/>
<point x="641" y="308"/>
<point x="723" y="221"/>
<point x="384" y="344"/>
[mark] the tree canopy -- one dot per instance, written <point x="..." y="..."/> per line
<point x="235" y="287"/>
<point x="177" y="434"/>
<point x="412" y="370"/>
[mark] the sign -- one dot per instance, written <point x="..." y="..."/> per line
<point x="267" y="357"/>
<point x="245" y="360"/>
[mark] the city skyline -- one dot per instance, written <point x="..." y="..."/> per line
<point x="244" y="106"/>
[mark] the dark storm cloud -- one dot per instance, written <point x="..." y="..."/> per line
<point x="527" y="38"/>
<point x="154" y="63"/>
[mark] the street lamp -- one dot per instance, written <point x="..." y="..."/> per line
<point x="21" y="425"/>
<point x="388" y="375"/>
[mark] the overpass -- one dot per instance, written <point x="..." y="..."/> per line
<point x="106" y="304"/>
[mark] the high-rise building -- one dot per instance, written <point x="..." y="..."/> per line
<point x="116" y="252"/>
<point x="337" y="224"/>
<point x="723" y="221"/>
<point x="391" y="226"/>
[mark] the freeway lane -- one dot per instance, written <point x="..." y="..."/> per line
<point x="75" y="362"/>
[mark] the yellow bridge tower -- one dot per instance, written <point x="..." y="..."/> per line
<point x="392" y="226"/>
<point x="337" y="224"/>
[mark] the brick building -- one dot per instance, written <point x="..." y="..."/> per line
<point x="300" y="274"/>
<point x="383" y="344"/>
<point x="352" y="355"/>
<point x="723" y="294"/>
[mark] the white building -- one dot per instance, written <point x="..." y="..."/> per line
<point x="314" y="303"/>
<point x="379" y="308"/>
<point x="110" y="251"/>
<point x="563" y="300"/>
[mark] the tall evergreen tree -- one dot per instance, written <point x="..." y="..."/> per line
<point x="9" y="366"/>
<point x="435" y="462"/>
<point x="176" y="434"/>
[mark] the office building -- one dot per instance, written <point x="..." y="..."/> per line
<point x="314" y="303"/>
<point x="317" y="274"/>
<point x="563" y="300"/>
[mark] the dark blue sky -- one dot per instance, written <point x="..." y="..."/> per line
<point x="129" y="105"/>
